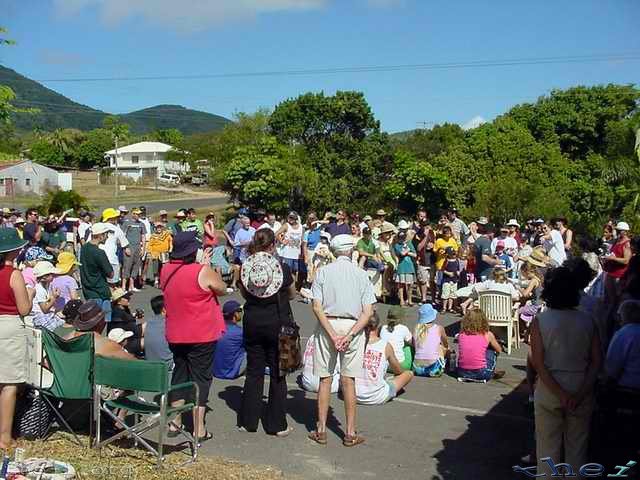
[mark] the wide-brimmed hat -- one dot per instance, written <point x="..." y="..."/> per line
<point x="403" y="225"/>
<point x="44" y="268"/>
<point x="427" y="314"/>
<point x="482" y="221"/>
<point x="19" y="220"/>
<point x="381" y="212"/>
<point x="538" y="258"/>
<point x="622" y="227"/>
<point x="10" y="240"/>
<point x="185" y="244"/>
<point x="262" y="275"/>
<point x="367" y="218"/>
<point x="513" y="223"/>
<point x="396" y="313"/>
<point x="387" y="228"/>
<point x="109" y="213"/>
<point x="342" y="243"/>
<point x="66" y="261"/>
<point x="89" y="315"/>
<point x="118" y="335"/>
<point x="33" y="254"/>
<point x="118" y="293"/>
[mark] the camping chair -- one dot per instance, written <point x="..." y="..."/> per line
<point x="71" y="363"/>
<point x="501" y="312"/>
<point x="140" y="376"/>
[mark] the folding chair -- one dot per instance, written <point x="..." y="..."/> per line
<point x="140" y="376"/>
<point x="71" y="363"/>
<point x="501" y="312"/>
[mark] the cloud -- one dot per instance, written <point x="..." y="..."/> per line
<point x="475" y="122"/>
<point x="184" y="15"/>
<point x="59" y="57"/>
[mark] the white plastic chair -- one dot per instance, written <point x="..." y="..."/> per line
<point x="501" y="312"/>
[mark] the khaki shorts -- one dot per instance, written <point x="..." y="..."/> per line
<point x="325" y="355"/>
<point x="424" y="274"/>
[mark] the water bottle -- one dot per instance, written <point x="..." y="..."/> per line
<point x="453" y="362"/>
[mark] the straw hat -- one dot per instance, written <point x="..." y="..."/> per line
<point x="262" y="275"/>
<point x="387" y="228"/>
<point x="44" y="268"/>
<point x="118" y="293"/>
<point x="381" y="212"/>
<point x="538" y="258"/>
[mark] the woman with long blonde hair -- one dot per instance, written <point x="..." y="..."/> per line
<point x="431" y="345"/>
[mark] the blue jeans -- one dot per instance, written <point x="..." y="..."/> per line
<point x="105" y="305"/>
<point x="482" y="373"/>
<point x="371" y="264"/>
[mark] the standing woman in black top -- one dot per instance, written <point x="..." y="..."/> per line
<point x="267" y="286"/>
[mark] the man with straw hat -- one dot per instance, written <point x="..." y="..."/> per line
<point x="343" y="300"/>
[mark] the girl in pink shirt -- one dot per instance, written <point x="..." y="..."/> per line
<point x="478" y="348"/>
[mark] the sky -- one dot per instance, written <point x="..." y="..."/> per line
<point x="84" y="39"/>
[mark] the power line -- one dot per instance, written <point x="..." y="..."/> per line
<point x="632" y="56"/>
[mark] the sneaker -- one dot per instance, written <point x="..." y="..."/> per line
<point x="134" y="289"/>
<point x="230" y="290"/>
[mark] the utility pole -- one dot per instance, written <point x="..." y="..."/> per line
<point x="116" y="158"/>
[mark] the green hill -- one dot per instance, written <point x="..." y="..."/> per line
<point x="58" y="111"/>
<point x="173" y="116"/>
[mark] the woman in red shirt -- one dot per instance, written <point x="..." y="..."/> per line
<point x="14" y="303"/>
<point x="210" y="238"/>
<point x="194" y="320"/>
<point x="616" y="262"/>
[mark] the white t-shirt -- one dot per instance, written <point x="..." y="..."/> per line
<point x="371" y="387"/>
<point x="510" y="245"/>
<point x="500" y="287"/>
<point x="41" y="319"/>
<point x="82" y="231"/>
<point x="276" y="226"/>
<point x="114" y="237"/>
<point x="292" y="244"/>
<point x="308" y="380"/>
<point x="555" y="247"/>
<point x="397" y="339"/>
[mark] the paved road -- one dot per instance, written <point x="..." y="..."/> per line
<point x="172" y="205"/>
<point x="438" y="429"/>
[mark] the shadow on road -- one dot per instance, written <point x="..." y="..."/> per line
<point x="492" y="443"/>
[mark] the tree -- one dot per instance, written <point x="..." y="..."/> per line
<point x="427" y="144"/>
<point x="90" y="153"/>
<point x="266" y="175"/>
<point x="119" y="130"/>
<point x="56" y="201"/>
<point x="170" y="136"/>
<point x="44" y="152"/>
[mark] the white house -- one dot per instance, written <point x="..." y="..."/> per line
<point x="144" y="160"/>
<point x="26" y="176"/>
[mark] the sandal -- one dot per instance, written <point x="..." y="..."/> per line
<point x="318" y="437"/>
<point x="207" y="436"/>
<point x="173" y="432"/>
<point x="352" y="440"/>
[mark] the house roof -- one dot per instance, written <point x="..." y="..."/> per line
<point x="142" y="147"/>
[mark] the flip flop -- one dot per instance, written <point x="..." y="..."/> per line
<point x="352" y="441"/>
<point x="207" y="436"/>
<point x="319" y="437"/>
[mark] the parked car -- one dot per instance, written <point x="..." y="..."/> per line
<point x="170" y="179"/>
<point x="198" y="180"/>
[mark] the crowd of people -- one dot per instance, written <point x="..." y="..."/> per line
<point x="578" y="301"/>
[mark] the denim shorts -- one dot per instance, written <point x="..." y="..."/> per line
<point x="293" y="263"/>
<point x="436" y="369"/>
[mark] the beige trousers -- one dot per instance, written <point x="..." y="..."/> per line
<point x="561" y="435"/>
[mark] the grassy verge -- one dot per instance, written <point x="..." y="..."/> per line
<point x="136" y="463"/>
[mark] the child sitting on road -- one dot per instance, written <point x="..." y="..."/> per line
<point x="307" y="380"/>
<point x="372" y="388"/>
<point x="231" y="357"/>
<point x="399" y="336"/>
<point x="478" y="349"/>
<point x="431" y="344"/>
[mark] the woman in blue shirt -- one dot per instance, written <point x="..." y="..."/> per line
<point x="405" y="275"/>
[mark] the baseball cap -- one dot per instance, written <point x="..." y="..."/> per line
<point x="500" y="244"/>
<point x="118" y="335"/>
<point x="163" y="212"/>
<point x="230" y="307"/>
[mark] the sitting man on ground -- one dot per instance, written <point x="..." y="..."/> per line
<point x="231" y="357"/>
<point x="90" y="321"/>
<point x="371" y="387"/>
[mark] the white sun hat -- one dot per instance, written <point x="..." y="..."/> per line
<point x="262" y="275"/>
<point x="623" y="226"/>
<point x="513" y="223"/>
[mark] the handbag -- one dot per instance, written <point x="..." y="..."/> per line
<point x="289" y="347"/>
<point x="33" y="417"/>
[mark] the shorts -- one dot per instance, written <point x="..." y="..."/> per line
<point x="293" y="263"/>
<point x="449" y="290"/>
<point x="132" y="264"/>
<point x="424" y="274"/>
<point x="325" y="355"/>
<point x="392" y="391"/>
<point x="116" y="273"/>
<point x="436" y="369"/>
